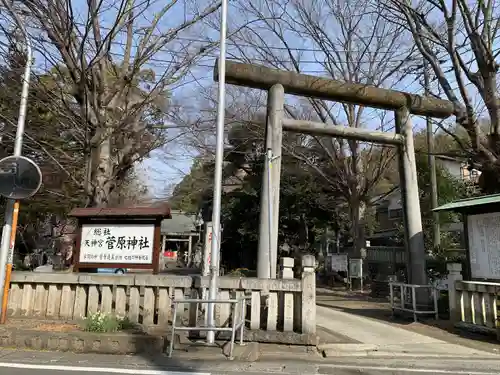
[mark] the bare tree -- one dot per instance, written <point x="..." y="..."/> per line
<point x="102" y="55"/>
<point x="459" y="42"/>
<point x="344" y="40"/>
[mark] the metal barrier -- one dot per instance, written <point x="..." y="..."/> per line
<point x="236" y="324"/>
<point x="408" y="301"/>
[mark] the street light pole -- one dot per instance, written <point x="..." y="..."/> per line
<point x="219" y="156"/>
<point x="12" y="206"/>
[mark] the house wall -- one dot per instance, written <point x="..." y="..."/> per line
<point x="389" y="211"/>
<point x="452" y="167"/>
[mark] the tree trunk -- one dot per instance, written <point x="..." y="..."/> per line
<point x="103" y="175"/>
<point x="357" y="213"/>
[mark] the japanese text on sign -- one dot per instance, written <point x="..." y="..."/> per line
<point x="125" y="243"/>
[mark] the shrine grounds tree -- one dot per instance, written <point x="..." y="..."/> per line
<point x="459" y="42"/>
<point x="308" y="206"/>
<point x="101" y="53"/>
<point x="47" y="141"/>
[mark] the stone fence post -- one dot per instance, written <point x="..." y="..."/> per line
<point x="287" y="310"/>
<point x="454" y="275"/>
<point x="308" y="313"/>
<point x="286" y="269"/>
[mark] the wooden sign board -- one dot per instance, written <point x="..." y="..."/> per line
<point x="118" y="239"/>
<point x="484" y="245"/>
<point x="117" y="243"/>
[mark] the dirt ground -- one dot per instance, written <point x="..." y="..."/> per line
<point x="42" y="325"/>
<point x="363" y="305"/>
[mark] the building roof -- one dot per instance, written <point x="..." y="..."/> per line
<point x="160" y="211"/>
<point x="469" y="203"/>
<point x="180" y="223"/>
<point x="381" y="199"/>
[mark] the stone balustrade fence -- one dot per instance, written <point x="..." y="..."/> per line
<point x="474" y="305"/>
<point x="284" y="304"/>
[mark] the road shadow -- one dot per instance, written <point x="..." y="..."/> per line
<point x="188" y="355"/>
<point x="346" y="295"/>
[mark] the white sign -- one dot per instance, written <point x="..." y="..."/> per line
<point x="339" y="262"/>
<point x="484" y="245"/>
<point x="356" y="268"/>
<point x="119" y="243"/>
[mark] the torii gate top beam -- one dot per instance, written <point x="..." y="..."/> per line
<point x="261" y="77"/>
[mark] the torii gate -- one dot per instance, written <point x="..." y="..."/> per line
<point x="277" y="83"/>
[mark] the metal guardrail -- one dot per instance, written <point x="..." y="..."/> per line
<point x="408" y="301"/>
<point x="236" y="325"/>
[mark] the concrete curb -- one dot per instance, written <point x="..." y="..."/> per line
<point x="272" y="337"/>
<point x="395" y="354"/>
<point x="439" y="350"/>
<point x="82" y="342"/>
<point x="146" y="342"/>
<point x="118" y="343"/>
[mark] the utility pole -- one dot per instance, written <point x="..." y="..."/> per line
<point x="219" y="156"/>
<point x="436" y="233"/>
<point x="12" y="206"/>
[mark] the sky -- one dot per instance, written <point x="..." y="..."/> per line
<point x="167" y="167"/>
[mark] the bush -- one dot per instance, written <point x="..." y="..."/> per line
<point x="242" y="272"/>
<point x="20" y="266"/>
<point x="104" y="322"/>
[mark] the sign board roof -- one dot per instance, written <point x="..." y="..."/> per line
<point x="161" y="212"/>
<point x="469" y="204"/>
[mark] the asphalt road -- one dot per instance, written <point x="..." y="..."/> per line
<point x="336" y="372"/>
<point x="16" y="362"/>
<point x="333" y="369"/>
<point x="92" y="371"/>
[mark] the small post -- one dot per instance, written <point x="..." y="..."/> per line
<point x="161" y="258"/>
<point x="308" y="304"/>
<point x="267" y="257"/>
<point x="205" y="267"/>
<point x="190" y="251"/>
<point x="207" y="244"/>
<point x="361" y="275"/>
<point x="411" y="204"/>
<point x="402" y="292"/>
<point x="414" y="302"/>
<point x="391" y="293"/>
<point x="287" y="299"/>
<point x="454" y="275"/>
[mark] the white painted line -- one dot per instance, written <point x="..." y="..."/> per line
<point x="101" y="370"/>
<point x="409" y="369"/>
